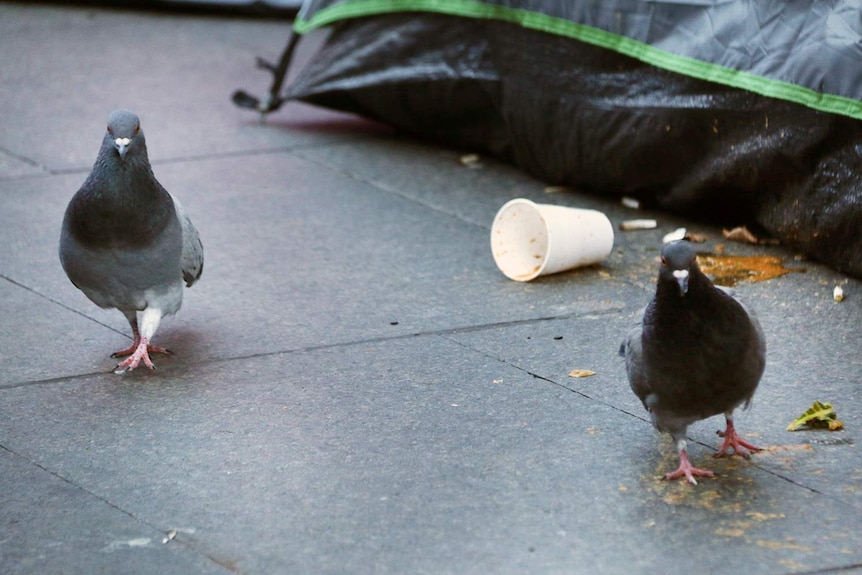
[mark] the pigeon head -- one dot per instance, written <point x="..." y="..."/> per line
<point x="124" y="133"/>
<point x="678" y="263"/>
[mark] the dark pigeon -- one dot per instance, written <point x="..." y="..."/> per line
<point x="126" y="242"/>
<point x="697" y="351"/>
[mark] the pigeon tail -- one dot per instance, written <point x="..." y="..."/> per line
<point x="733" y="440"/>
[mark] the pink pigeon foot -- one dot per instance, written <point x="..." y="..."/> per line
<point x="732" y="439"/>
<point x="134" y="347"/>
<point x="141" y="353"/>
<point x="687" y="470"/>
<point x="136" y="343"/>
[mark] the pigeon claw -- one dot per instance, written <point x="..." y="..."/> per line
<point x="141" y="354"/>
<point x="734" y="441"/>
<point x="687" y="470"/>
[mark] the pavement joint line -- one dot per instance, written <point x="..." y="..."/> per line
<point x="71" y="170"/>
<point x="180" y="159"/>
<point x="387" y="189"/>
<point x="115" y="507"/>
<point x="59" y="303"/>
<point x="72" y="483"/>
<point x="268" y="151"/>
<point x="554" y="382"/>
<point x="404" y="336"/>
<point x="20" y="158"/>
<point x="223" y="155"/>
<point x="51" y="380"/>
<point x="306" y="349"/>
<point x="827" y="570"/>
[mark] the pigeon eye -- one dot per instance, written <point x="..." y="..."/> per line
<point x="109" y="130"/>
<point x="663" y="261"/>
<point x="137" y="129"/>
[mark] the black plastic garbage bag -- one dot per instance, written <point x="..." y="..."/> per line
<point x="570" y="110"/>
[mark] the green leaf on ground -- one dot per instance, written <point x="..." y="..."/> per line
<point x="819" y="415"/>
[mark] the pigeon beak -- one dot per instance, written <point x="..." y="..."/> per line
<point x="122" y="145"/>
<point x="681" y="277"/>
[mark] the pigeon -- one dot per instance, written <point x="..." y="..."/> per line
<point x="696" y="351"/>
<point x="126" y="242"/>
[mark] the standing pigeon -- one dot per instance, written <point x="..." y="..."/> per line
<point x="126" y="243"/>
<point x="696" y="352"/>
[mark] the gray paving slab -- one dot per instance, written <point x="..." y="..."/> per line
<point x="412" y="455"/>
<point x="50" y="525"/>
<point x="296" y="256"/>
<point x="472" y="192"/>
<point x="71" y="67"/>
<point x="810" y="357"/>
<point x="796" y="375"/>
<point x="41" y="339"/>
<point x="356" y="387"/>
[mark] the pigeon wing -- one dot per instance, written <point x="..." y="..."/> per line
<point x="755" y="361"/>
<point x="632" y="350"/>
<point x="192" y="260"/>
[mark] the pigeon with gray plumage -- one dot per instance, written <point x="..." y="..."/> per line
<point x="697" y="351"/>
<point x="126" y="242"/>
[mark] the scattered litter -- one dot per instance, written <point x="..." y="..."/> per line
<point x="630" y="225"/>
<point x="683" y="234"/>
<point x="819" y="415"/>
<point x="740" y="234"/>
<point x="838" y="293"/>
<point x="631" y="203"/>
<point x="470" y="160"/>
<point x="744" y="235"/>
<point x="127" y="544"/>
<point x="730" y="270"/>
<point x="497" y="381"/>
<point x="556" y="189"/>
<point x="677" y="234"/>
<point x="171" y="535"/>
<point x="581" y="373"/>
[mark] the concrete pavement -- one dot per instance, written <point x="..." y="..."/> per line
<point x="355" y="387"/>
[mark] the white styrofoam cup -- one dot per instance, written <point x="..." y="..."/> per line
<point x="529" y="240"/>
